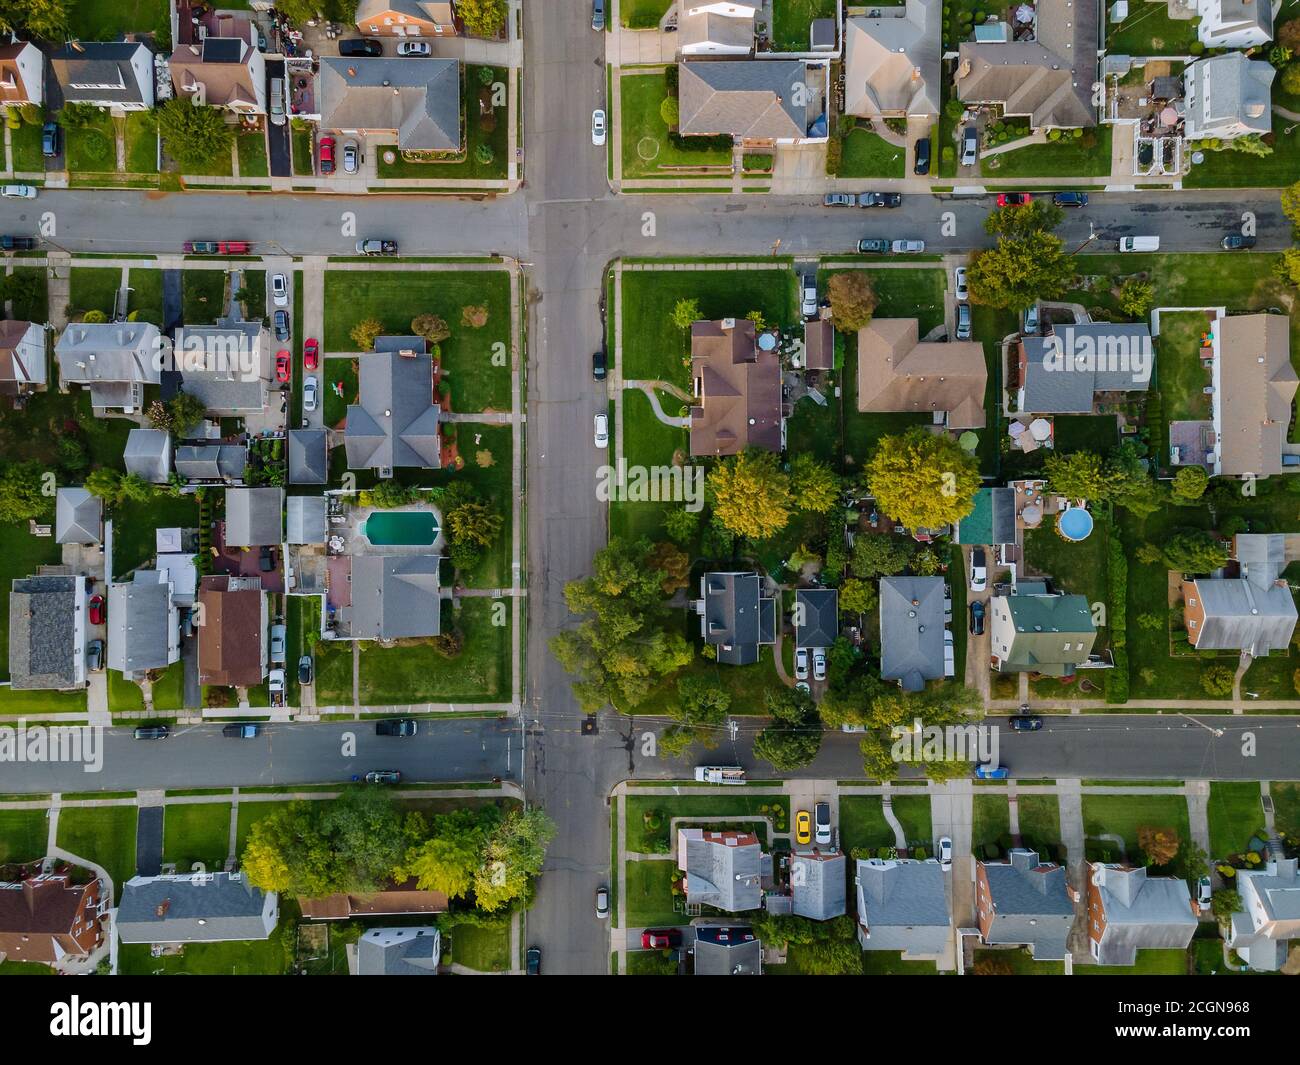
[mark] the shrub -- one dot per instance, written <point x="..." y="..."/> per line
<point x="484" y="154"/>
<point x="670" y="111"/>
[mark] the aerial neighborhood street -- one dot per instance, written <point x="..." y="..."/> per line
<point x="650" y="487"/>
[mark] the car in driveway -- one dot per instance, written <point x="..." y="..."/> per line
<point x="803" y="828"/>
<point x="1237" y="242"/>
<point x="351" y="157"/>
<point x="963" y="321"/>
<point x="50" y="136"/>
<point x="280" y="290"/>
<point x="281" y="325"/>
<point x="801" y="663"/>
<point x="305" y="670"/>
<point x="873" y="246"/>
<point x="533" y="961"/>
<point x="1204" y="892"/>
<point x="979" y="573"/>
<point x="977" y="618"/>
<point x="279" y="634"/>
<point x="970" y="146"/>
<point x="900" y="247"/>
<point x="18" y="192"/>
<point x="602" y="902"/>
<point x="310" y="353"/>
<point x="598" y="127"/>
<point x="602" y="430"/>
<point x="1025" y="723"/>
<point x="310" y="394"/>
<point x="808" y="296"/>
<point x="327" y="155"/>
<point x="355" y="47"/>
<point x="95" y="656"/>
<point x="151" y="732"/>
<point x="244" y="731"/>
<point x="880" y="199"/>
<point x="839" y="199"/>
<point x="959" y="287"/>
<point x="819" y="664"/>
<point x="944" y="853"/>
<point x="661" y="938"/>
<point x="822" y="819"/>
<point x="96" y="609"/>
<point x="1014" y="199"/>
<point x="282" y="364"/>
<point x="383" y="776"/>
<point x="1030" y="324"/>
<point x="921" y="163"/>
<point x="419" y="49"/>
<point x="399" y="727"/>
<point x="1070" y="199"/>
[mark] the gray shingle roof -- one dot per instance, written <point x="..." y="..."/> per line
<point x="254" y="516"/>
<point x="817" y="617"/>
<point x="1142" y="913"/>
<point x="395" y="596"/>
<point x="394" y="423"/>
<point x="307" y="520"/>
<point x="1255" y="612"/>
<point x="211" y="462"/>
<point x="148" y="454"/>
<point x="399" y="952"/>
<point x="1030" y="904"/>
<point x="818" y="884"/>
<point x="736" y="618"/>
<point x="308" y="456"/>
<point x="911" y="630"/>
<point x="417" y="98"/>
<point x="1064" y="371"/>
<point x="225" y="365"/>
<point x="142" y="623"/>
<point x="902" y="906"/>
<point x="727" y="951"/>
<point x="1228" y="94"/>
<point x="723" y="869"/>
<point x="749" y="98"/>
<point x="212" y="908"/>
<point x="79" y="517"/>
<point x="46" y="632"/>
<point x="109" y="353"/>
<point x="95" y="71"/>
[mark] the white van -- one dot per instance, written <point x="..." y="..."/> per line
<point x="1139" y="243"/>
<point x="277" y="101"/>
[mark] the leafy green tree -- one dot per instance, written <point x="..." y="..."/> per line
<point x="794" y="737"/>
<point x="853" y="300"/>
<point x="1020" y="270"/>
<point x="681" y="524"/>
<point x="1194" y="551"/>
<point x="514" y="855"/>
<point x="1136" y="297"/>
<point x="21" y="497"/>
<point x="685" y="313"/>
<point x="194" y="134"/>
<point x="451" y="853"/>
<point x="1080" y="475"/>
<point x="673" y="563"/>
<point x="880" y="556"/>
<point x="1252" y="144"/>
<point x="365" y="332"/>
<point x="700" y="711"/>
<point x="1130" y="485"/>
<point x="186" y="410"/>
<point x="1015" y="222"/>
<point x="482" y="18"/>
<point x="433" y="328"/>
<point x="924" y="480"/>
<point x="815" y="486"/>
<point x="1224" y="903"/>
<point x="1218" y="681"/>
<point x="95" y="316"/>
<point x="751" y="494"/>
<point x="104" y="483"/>
<point x="1190" y="483"/>
<point x="857" y="596"/>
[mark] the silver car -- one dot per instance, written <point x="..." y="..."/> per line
<point x="907" y="246"/>
<point x="310" y="392"/>
<point x="349" y="157"/>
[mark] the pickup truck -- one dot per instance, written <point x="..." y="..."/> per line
<point x="376" y="247"/>
<point x="719" y="774"/>
<point x="275" y="682"/>
<point x="246" y="731"/>
<point x="217" y="247"/>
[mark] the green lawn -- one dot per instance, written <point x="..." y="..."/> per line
<point x="649" y="816"/>
<point x="203" y="296"/>
<point x="123" y="694"/>
<point x="249" y="814"/>
<point x="141" y="143"/>
<point x="36" y="702"/>
<point x="417" y="673"/>
<point x="1149" y="30"/>
<point x="867" y="154"/>
<point x="252" y="154"/>
<point x="1040" y="820"/>
<point x="146" y="294"/>
<point x="747" y="684"/>
<point x="103" y="835"/>
<point x="1286" y="806"/>
<point x="792" y="19"/>
<point x="92" y="148"/>
<point x="643" y="14"/>
<point x="26" y="144"/>
<point x="95" y="20"/>
<point x="862" y="824"/>
<point x="333" y="660"/>
<point x="1123" y="815"/>
<point x="304" y="159"/>
<point x="20" y="555"/>
<point x="1230" y="169"/>
<point x="654" y="349"/>
<point x="891" y="963"/>
<point x="646" y="440"/>
<point x="1149" y="963"/>
<point x="992" y="819"/>
<point x="23" y="835"/>
<point x="1087" y="155"/>
<point x="135" y="526"/>
<point x="269" y="957"/>
<point x="483" y="949"/>
<point x="647" y="148"/>
<point x="651" y="963"/>
<point x="649" y="893"/>
<point x="25" y="968"/>
<point x="169" y="689"/>
<point x="1020" y="962"/>
<point x="253" y="298"/>
<point x="196" y="832"/>
<point x="33" y="305"/>
<point x="1179" y="373"/>
<point x="94" y="289"/>
<point x="1235" y="815"/>
<point x="477" y="381"/>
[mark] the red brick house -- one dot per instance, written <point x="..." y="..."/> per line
<point x="46" y="918"/>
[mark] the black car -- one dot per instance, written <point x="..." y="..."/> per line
<point x="17" y="243"/>
<point x="152" y="732"/>
<point x="95" y="656"/>
<point x="533" y="961"/>
<point x="977" y="618"/>
<point x="281" y="325"/>
<point x="873" y="246"/>
<point x="266" y="560"/>
<point x="1026" y="723"/>
<point x="383" y="776"/>
<point x="355" y="47"/>
<point x="1070" y="199"/>
<point x="50" y="139"/>
<point x="304" y="669"/>
<point x="1236" y="242"/>
<point x="880" y="199"/>
<point x="244" y="731"/>
<point x="922" y="162"/>
<point x="598" y="365"/>
<point x="402" y="726"/>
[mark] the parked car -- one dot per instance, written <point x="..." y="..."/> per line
<point x="970" y="146"/>
<point x="808" y="296"/>
<point x="275" y="685"/>
<point x="801" y="663"/>
<point x="1070" y="199"/>
<point x="803" y="828"/>
<point x="95" y="656"/>
<point x="310" y="353"/>
<point x="1031" y="320"/>
<point x="305" y="672"/>
<point x="839" y="199"/>
<point x="602" y="430"/>
<point x="959" y="288"/>
<point x="275" y="107"/>
<point x="598" y="365"/>
<point x="822" y="816"/>
<point x="945" y="853"/>
<point x="96" y="609"/>
<point x="363" y="47"/>
<point x="280" y="290"/>
<point x="420" y="49"/>
<point x="873" y="246"/>
<point x="979" y="574"/>
<point x="279" y="633"/>
<point x="18" y="192"/>
<point x="282" y="325"/>
<point x="989" y="771"/>
<point x="880" y="199"/>
<point x="327" y="155"/>
<point x="383" y="776"/>
<point x="351" y="158"/>
<point x="1014" y="199"/>
<point x="310" y="394"/>
<point x="949" y="655"/>
<point x="245" y="731"/>
<point x="400" y="727"/>
<point x="899" y="247"/>
<point x="963" y="321"/>
<point x="266" y="558"/>
<point x="533" y="961"/>
<point x="50" y="136"/>
<point x="151" y="732"/>
<point x="376" y="247"/>
<point x="1237" y="242"/>
<point x="597" y="14"/>
<point x="1025" y="723"/>
<point x="1204" y="892"/>
<point x="661" y="938"/>
<point x="17" y="243"/>
<point x="282" y="361"/>
<point x="819" y="664"/>
<point x="977" y="618"/>
<point x="598" y="127"/>
<point x="602" y="902"/>
<point x="921" y="165"/>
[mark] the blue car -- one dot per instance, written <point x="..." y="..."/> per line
<point x="991" y="772"/>
<point x="50" y="139"/>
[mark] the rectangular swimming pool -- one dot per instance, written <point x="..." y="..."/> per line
<point x="408" y="528"/>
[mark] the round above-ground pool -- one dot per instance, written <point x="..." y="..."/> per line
<point x="405" y="528"/>
<point x="1075" y="524"/>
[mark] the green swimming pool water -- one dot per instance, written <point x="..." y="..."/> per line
<point x="412" y="528"/>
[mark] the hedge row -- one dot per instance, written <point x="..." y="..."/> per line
<point x="1117" y="620"/>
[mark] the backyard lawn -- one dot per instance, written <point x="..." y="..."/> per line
<point x="26" y="144"/>
<point x="649" y="817"/>
<point x="643" y="14"/>
<point x="103" y="835"/>
<point x="891" y="963"/>
<point x="1235" y="815"/>
<point x="95" y="20"/>
<point x="477" y="380"/>
<point x="135" y="526"/>
<point x="1123" y="815"/>
<point x="1149" y="30"/>
<point x="867" y="154"/>
<point x="20" y="555"/>
<point x="270" y="957"/>
<point x="792" y="19"/>
<point x="203" y="296"/>
<point x="647" y="147"/>
<point x="1179" y="373"/>
<point x="1149" y="963"/>
<point x="23" y="835"/>
<point x="196" y="832"/>
<point x="1084" y="156"/>
<point x="1019" y="961"/>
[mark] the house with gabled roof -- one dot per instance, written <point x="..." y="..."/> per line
<point x="48" y="919"/>
<point x="394" y="899"/>
<point x="897" y="371"/>
<point x="1130" y="911"/>
<point x="735" y="616"/>
<point x="1228" y="96"/>
<point x="143" y="624"/>
<point x="891" y="68"/>
<point x="233" y="638"/>
<point x="306" y="520"/>
<point x="1234" y="23"/>
<point x="816" y="617"/>
<point x="254" y="517"/>
<point x="226" y="365"/>
<point x="727" y="950"/>
<point x="395" y="597"/>
<point x="417" y="99"/>
<point x="715" y="27"/>
<point x="402" y="951"/>
<point x="225" y="71"/>
<point x="723" y="869"/>
<point x="902" y="906"/>
<point x="22" y="359"/>
<point x="195" y="908"/>
<point x="148" y="454"/>
<point x="736" y="382"/>
<point x="211" y="463"/>
<point x="47" y="632"/>
<point x="407" y="18"/>
<point x="911" y="630"/>
<point x="758" y="101"/>
<point x="395" y="421"/>
<point x="22" y="74"/>
<point x="1250" y="607"/>
<point x="1067" y="370"/>
<point x="308" y="451"/>
<point x="1040" y="633"/>
<point x="817" y="883"/>
<point x="115" y="75"/>
<point x="1269" y="921"/>
<point x="114" y="360"/>
<point x="1254" y="387"/>
<point x="1024" y="901"/>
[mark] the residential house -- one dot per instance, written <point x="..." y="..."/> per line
<point x="227" y="366"/>
<point x="911" y="630"/>
<point x="22" y="359"/>
<point x="891" y="68"/>
<point x="227" y="72"/>
<point x="211" y="463"/>
<point x="1269" y="918"/>
<point x="407" y="18"/>
<point x="1046" y="74"/>
<point x="1254" y="386"/>
<point x="737" y="388"/>
<point x="177" y="569"/>
<point x="78" y="517"/>
<point x="1024" y="901"/>
<point x="899" y="372"/>
<point x="307" y="523"/>
<point x="717" y="28"/>
<point x="1228" y="96"/>
<point x="399" y="951"/>
<point x="1040" y="633"/>
<point x="254" y="517"/>
<point x="419" y="100"/>
<point x="195" y="908"/>
<point x="393" y="900"/>
<point x="394" y="422"/>
<point x="819" y="344"/>
<point x="902" y="906"/>
<point x="723" y="869"/>
<point x="47" y="633"/>
<point x="148" y="454"/>
<point x="817" y="883"/>
<point x="735" y="616"/>
<point x="233" y="648"/>
<point x="115" y="360"/>
<point x="1065" y="372"/>
<point x="727" y="950"/>
<point x="993" y="519"/>
<point x="22" y="74"/>
<point x="1250" y="608"/>
<point x="1234" y="23"/>
<point x="761" y="102"/>
<point x="816" y="617"/>
<point x="117" y="75"/>
<point x="46" y="918"/>
<point x="1130" y="911"/>
<point x="395" y="597"/>
<point x="144" y="630"/>
<point x="308" y="451"/>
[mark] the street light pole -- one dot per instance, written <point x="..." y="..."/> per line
<point x="1217" y="733"/>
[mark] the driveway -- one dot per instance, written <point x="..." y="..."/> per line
<point x="149" y="841"/>
<point x="277" y="136"/>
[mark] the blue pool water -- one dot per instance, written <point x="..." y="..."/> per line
<point x="1075" y="524"/>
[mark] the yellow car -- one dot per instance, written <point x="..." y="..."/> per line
<point x="803" y="827"/>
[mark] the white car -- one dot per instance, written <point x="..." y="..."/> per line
<point x="602" y="902"/>
<point x="949" y="657"/>
<point x="808" y="302"/>
<point x="278" y="634"/>
<point x="416" y="48"/>
<point x="979" y="574"/>
<point x="822" y="821"/>
<point x="350" y="157"/>
<point x="310" y="394"/>
<point x="1204" y="892"/>
<point x="598" y="127"/>
<point x="19" y="192"/>
<point x="801" y="663"/>
<point x="962" y="292"/>
<point x="280" y="290"/>
<point x="819" y="664"/>
<point x="903" y="246"/>
<point x="602" y="430"/>
<point x="945" y="853"/>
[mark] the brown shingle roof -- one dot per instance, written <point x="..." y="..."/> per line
<point x="230" y="638"/>
<point x="898" y="373"/>
<point x="737" y="388"/>
<point x="37" y="919"/>
<point x="225" y="83"/>
<point x="396" y="899"/>
<point x="819" y="344"/>
<point x="1256" y="386"/>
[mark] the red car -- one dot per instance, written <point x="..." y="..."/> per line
<point x="97" y="610"/>
<point x="233" y="247"/>
<point x="1013" y="199"/>
<point x="282" y="367"/>
<point x="660" y="938"/>
<point x="310" y="353"/>
<point x="327" y="155"/>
